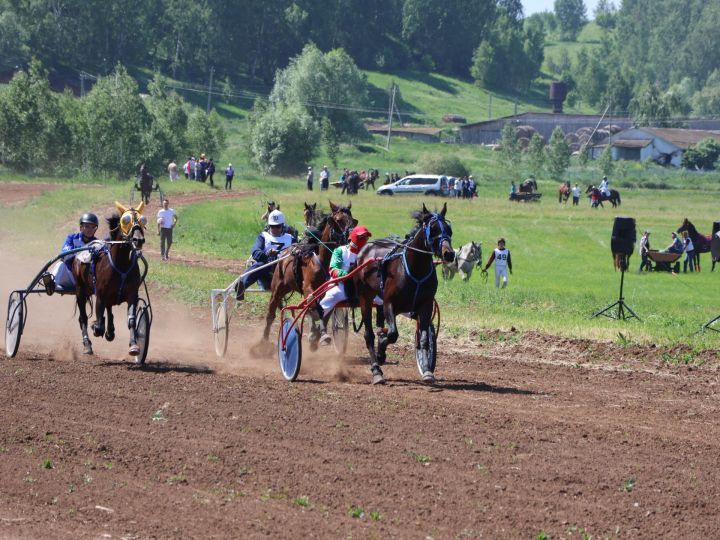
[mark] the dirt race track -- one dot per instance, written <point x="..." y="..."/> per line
<point x="523" y="433"/>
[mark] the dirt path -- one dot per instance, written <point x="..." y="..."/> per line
<point x="523" y="433"/>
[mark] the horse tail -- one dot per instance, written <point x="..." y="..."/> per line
<point x="618" y="197"/>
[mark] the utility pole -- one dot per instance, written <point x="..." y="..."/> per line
<point x="390" y="117"/>
<point x="212" y="70"/>
<point x="489" y="106"/>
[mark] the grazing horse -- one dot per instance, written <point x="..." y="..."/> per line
<point x="406" y="280"/>
<point x="614" y="196"/>
<point x="701" y="242"/>
<point x="305" y="270"/>
<point x="564" y="192"/>
<point x="466" y="258"/>
<point x="113" y="276"/>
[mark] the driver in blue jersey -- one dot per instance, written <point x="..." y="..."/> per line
<point x="61" y="272"/>
<point x="266" y="248"/>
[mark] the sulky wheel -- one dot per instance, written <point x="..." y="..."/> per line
<point x="426" y="358"/>
<point x="291" y="356"/>
<point x="220" y="324"/>
<point x="142" y="333"/>
<point x="14" y="324"/>
<point x="340" y="329"/>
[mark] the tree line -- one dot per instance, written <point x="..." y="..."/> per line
<point x="110" y="130"/>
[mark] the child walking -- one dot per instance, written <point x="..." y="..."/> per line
<point x="503" y="263"/>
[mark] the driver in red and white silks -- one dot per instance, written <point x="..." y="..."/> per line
<point x="503" y="263"/>
<point x="342" y="261"/>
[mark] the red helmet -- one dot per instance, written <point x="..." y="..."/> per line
<point x="359" y="235"/>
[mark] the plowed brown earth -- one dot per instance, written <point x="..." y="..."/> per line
<point x="523" y="433"/>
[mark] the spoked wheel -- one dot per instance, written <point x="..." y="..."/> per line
<point x="340" y="329"/>
<point x="291" y="356"/>
<point x="14" y="324"/>
<point x="426" y="358"/>
<point x="142" y="334"/>
<point x="220" y="321"/>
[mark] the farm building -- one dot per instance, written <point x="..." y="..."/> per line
<point x="423" y="134"/>
<point x="662" y="145"/>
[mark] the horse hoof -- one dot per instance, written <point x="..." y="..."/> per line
<point x="98" y="331"/>
<point x="87" y="348"/>
<point x="378" y="379"/>
<point x="134" y="350"/>
<point x="109" y="336"/>
<point x="428" y="378"/>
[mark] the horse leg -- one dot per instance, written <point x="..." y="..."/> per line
<point x="83" y="320"/>
<point x="131" y="314"/>
<point x="393" y="333"/>
<point x="314" y="337"/>
<point x="99" y="325"/>
<point x="110" y="332"/>
<point x="273" y="305"/>
<point x="423" y="344"/>
<point x="366" y="305"/>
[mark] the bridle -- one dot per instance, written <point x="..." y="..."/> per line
<point x="444" y="234"/>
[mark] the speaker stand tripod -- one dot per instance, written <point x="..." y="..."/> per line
<point x="709" y="325"/>
<point x="619" y="310"/>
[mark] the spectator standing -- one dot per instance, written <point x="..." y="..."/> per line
<point x="229" y="175"/>
<point x="576" y="195"/>
<point x="689" y="253"/>
<point x="324" y="178"/>
<point x="173" y="170"/>
<point x="503" y="263"/>
<point x="211" y="172"/>
<point x="191" y="167"/>
<point x="186" y="169"/>
<point x="199" y="171"/>
<point x="472" y="187"/>
<point x="513" y="189"/>
<point x="644" y="248"/>
<point x="166" y="220"/>
<point x="310" y="178"/>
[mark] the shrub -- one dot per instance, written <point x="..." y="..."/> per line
<point x="703" y="155"/>
<point x="434" y="164"/>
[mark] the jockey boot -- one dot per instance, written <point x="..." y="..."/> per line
<point x="239" y="291"/>
<point x="49" y="283"/>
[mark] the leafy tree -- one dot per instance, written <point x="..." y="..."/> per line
<point x="651" y="107"/>
<point x="605" y="14"/>
<point x="536" y="155"/>
<point x="14" y="39"/>
<point x="330" y="140"/>
<point x="509" y="149"/>
<point x="571" y="16"/>
<point x="557" y="154"/>
<point x="282" y="138"/>
<point x="703" y="155"/>
<point x="325" y="85"/>
<point x="606" y="161"/>
<point x="706" y="102"/>
<point x="33" y="134"/>
<point x="166" y="136"/>
<point x="590" y="77"/>
<point x="442" y="164"/>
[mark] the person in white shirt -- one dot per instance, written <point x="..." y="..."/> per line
<point x="166" y="220"/>
<point x="689" y="253"/>
<point x="604" y="187"/>
<point x="644" y="248"/>
<point x="576" y="195"/>
<point x="173" y="170"/>
<point x="503" y="263"/>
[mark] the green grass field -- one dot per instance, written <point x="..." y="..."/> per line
<point x="562" y="264"/>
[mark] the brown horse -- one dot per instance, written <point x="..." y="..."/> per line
<point x="406" y="280"/>
<point x="564" y="192"/>
<point x="304" y="270"/>
<point x="113" y="277"/>
<point x="701" y="242"/>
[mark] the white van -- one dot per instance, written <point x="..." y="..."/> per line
<point x="423" y="184"/>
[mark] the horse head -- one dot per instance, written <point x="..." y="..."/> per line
<point x="341" y="220"/>
<point x="437" y="232"/>
<point x="310" y="214"/>
<point x="687" y="226"/>
<point x="132" y="225"/>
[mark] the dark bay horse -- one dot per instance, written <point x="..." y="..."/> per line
<point x="113" y="276"/>
<point x="701" y="242"/>
<point x="529" y="185"/>
<point x="614" y="196"/>
<point x="305" y="269"/>
<point x="564" y="192"/>
<point x="406" y="280"/>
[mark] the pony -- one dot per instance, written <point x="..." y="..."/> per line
<point x="307" y="267"/>
<point x="701" y="242"/>
<point x="112" y="276"/>
<point x="614" y="196"/>
<point x="406" y="280"/>
<point x="466" y="258"/>
<point x="564" y="192"/>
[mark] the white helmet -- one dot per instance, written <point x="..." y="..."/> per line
<point x="276" y="217"/>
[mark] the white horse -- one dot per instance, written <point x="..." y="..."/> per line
<point x="467" y="257"/>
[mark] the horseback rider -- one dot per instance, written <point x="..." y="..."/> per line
<point x="342" y="262"/>
<point x="605" y="187"/>
<point x="61" y="272"/>
<point x="268" y="245"/>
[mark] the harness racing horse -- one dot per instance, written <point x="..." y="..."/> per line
<point x="112" y="277"/>
<point x="312" y="215"/>
<point x="614" y="196"/>
<point x="305" y="270"/>
<point x="466" y="258"/>
<point x="564" y="192"/>
<point x="701" y="242"/>
<point x="406" y="280"/>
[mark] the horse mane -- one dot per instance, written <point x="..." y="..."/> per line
<point x="113" y="223"/>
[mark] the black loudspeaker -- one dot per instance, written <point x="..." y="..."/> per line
<point x="715" y="242"/>
<point x="623" y="236"/>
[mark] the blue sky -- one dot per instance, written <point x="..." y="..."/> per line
<point x="536" y="6"/>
